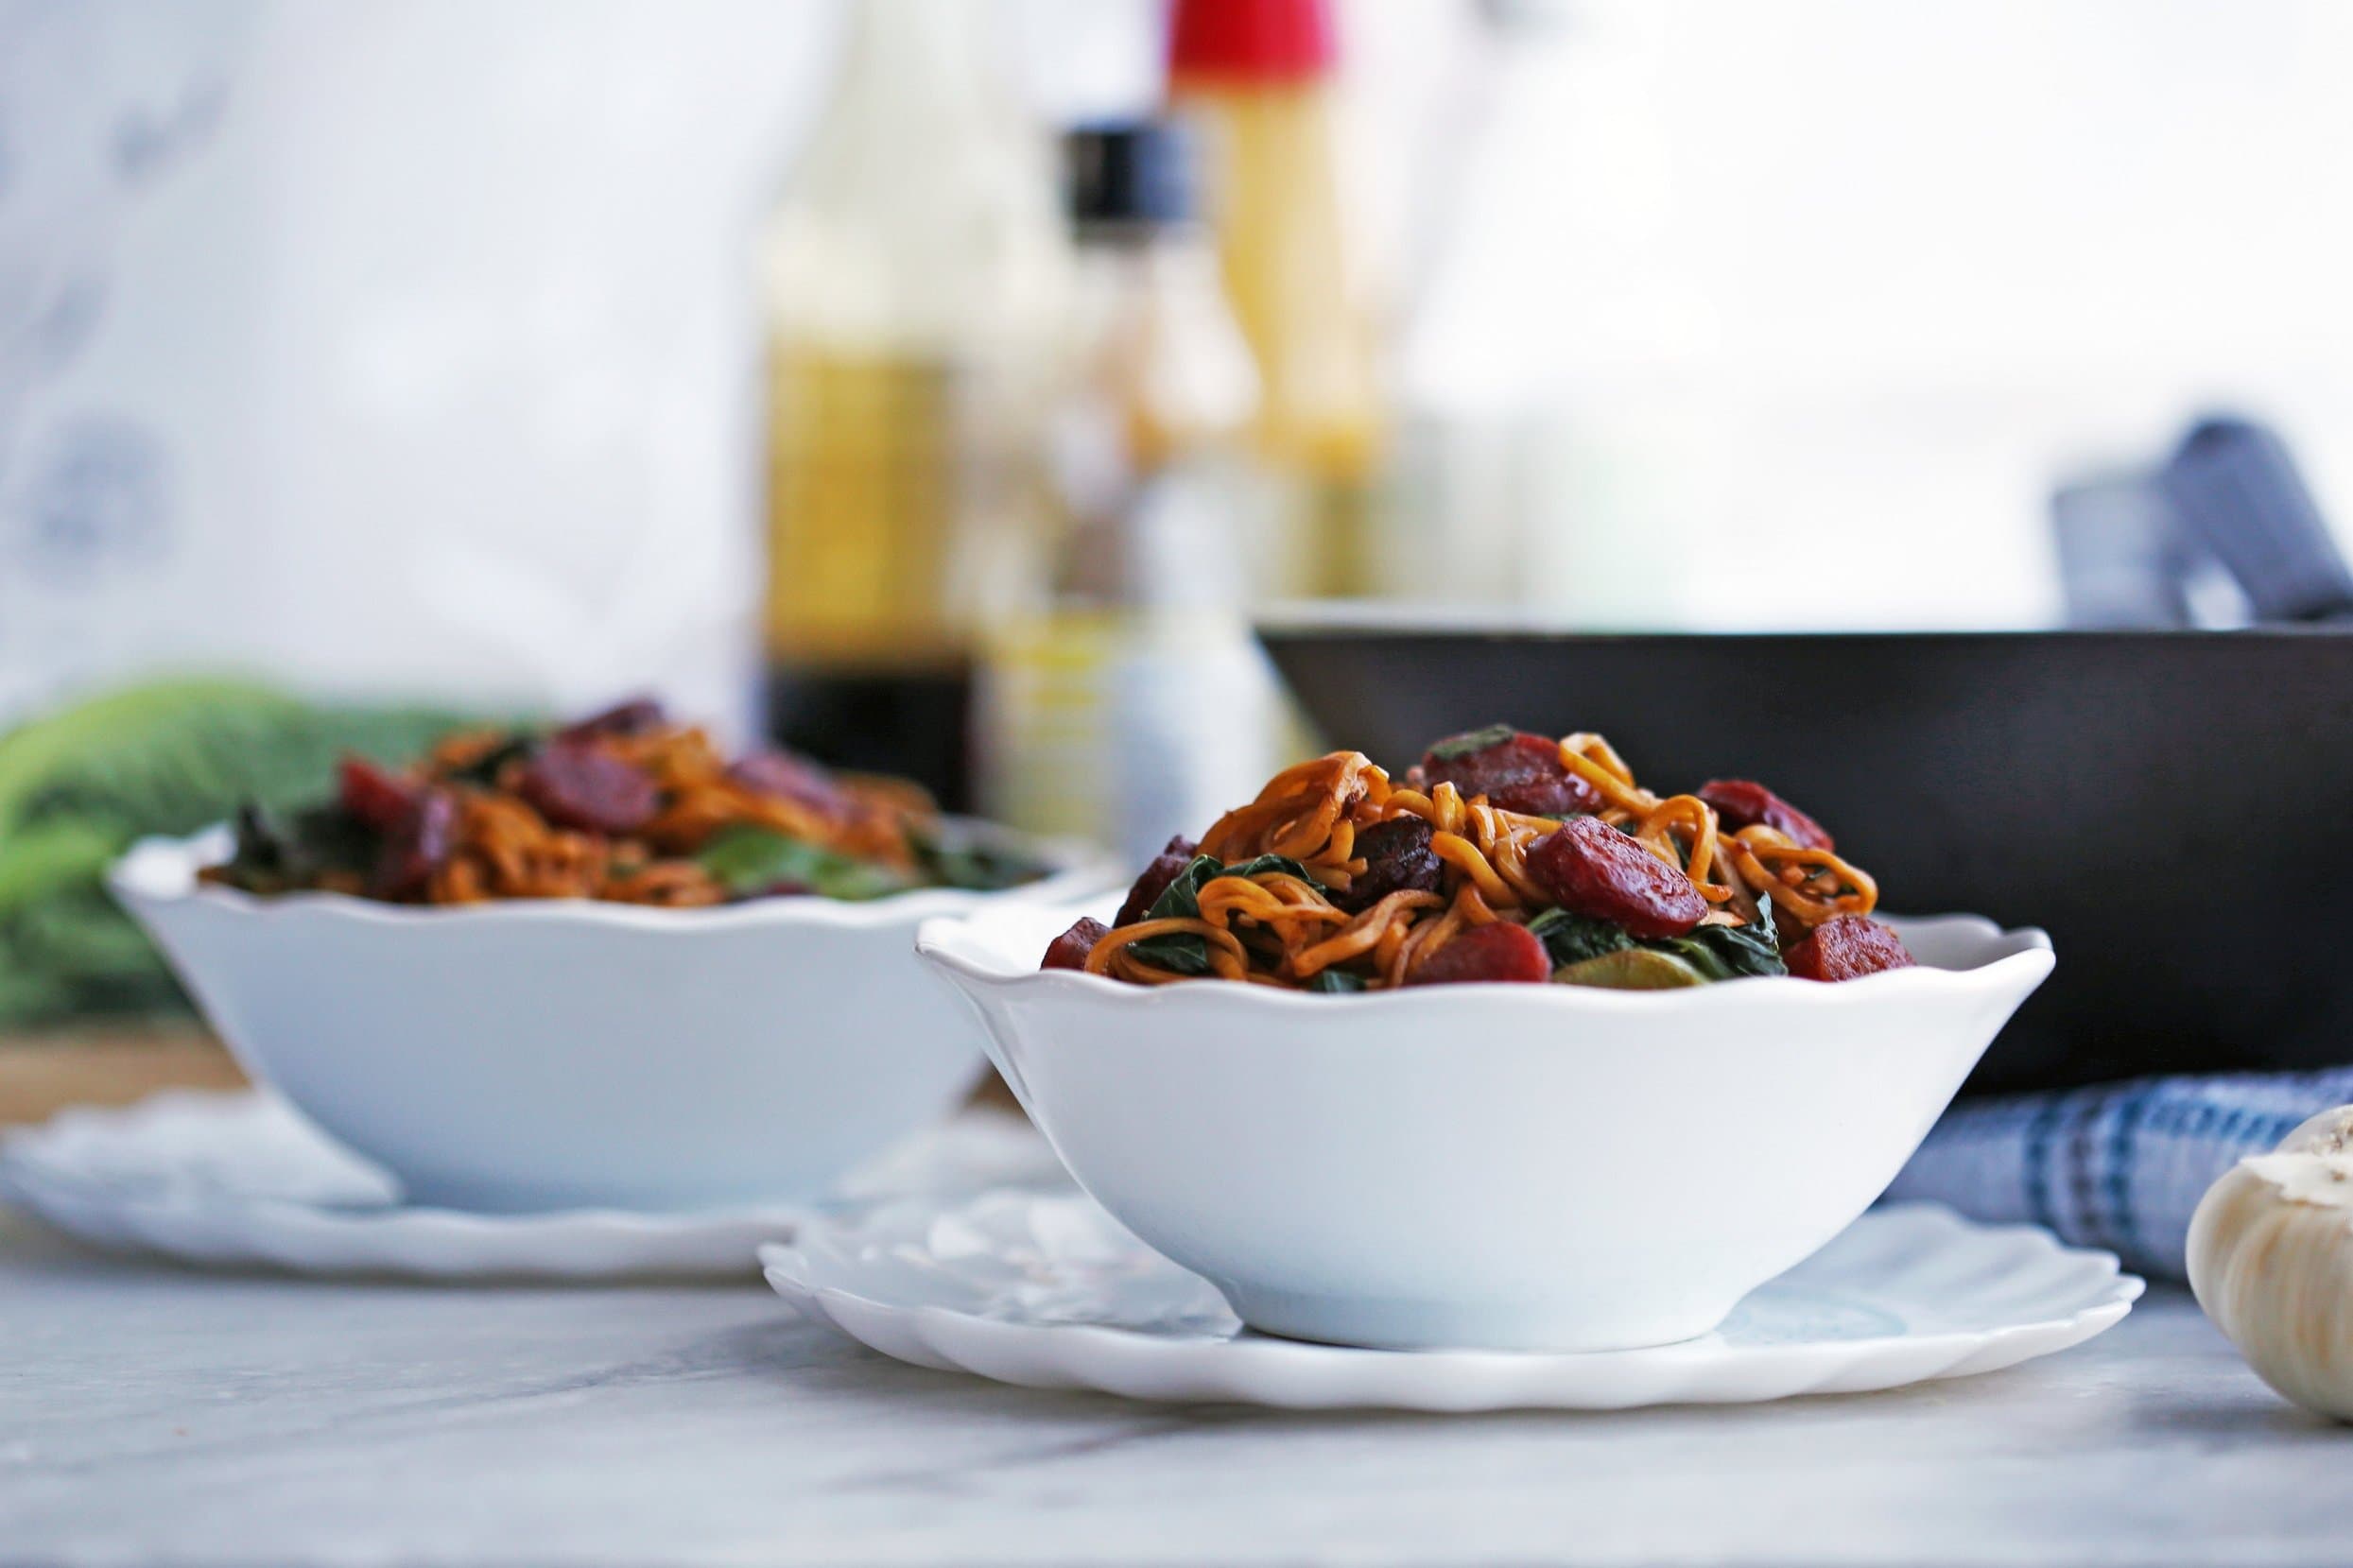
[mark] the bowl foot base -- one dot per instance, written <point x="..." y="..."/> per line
<point x="1422" y="1325"/>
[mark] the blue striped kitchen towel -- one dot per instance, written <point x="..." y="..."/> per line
<point x="2120" y="1165"/>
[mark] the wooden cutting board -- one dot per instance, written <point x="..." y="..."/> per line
<point x="42" y="1074"/>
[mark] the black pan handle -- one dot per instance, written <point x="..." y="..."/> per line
<point x="2236" y="494"/>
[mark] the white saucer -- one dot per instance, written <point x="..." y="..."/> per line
<point x="1045" y="1289"/>
<point x="242" y="1179"/>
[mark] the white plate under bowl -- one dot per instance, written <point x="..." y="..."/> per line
<point x="242" y="1180"/>
<point x="538" y="1054"/>
<point x="1577" y="1169"/>
<point x="1045" y="1290"/>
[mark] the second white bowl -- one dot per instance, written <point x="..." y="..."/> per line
<point x="1502" y="1166"/>
<point x="558" y="1053"/>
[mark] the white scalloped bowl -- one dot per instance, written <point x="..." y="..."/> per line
<point x="559" y="1052"/>
<point x="1487" y="1166"/>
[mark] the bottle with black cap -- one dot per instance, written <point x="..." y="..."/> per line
<point x="1134" y="699"/>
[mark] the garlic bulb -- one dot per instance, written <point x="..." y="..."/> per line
<point x="2271" y="1258"/>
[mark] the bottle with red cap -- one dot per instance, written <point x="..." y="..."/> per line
<point x="1255" y="77"/>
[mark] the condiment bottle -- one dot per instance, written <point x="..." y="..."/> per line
<point x="913" y="279"/>
<point x="1256" y="77"/>
<point x="1134" y="703"/>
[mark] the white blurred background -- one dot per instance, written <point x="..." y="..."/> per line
<point x="410" y="347"/>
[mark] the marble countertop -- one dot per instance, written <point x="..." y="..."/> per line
<point x="152" y="1415"/>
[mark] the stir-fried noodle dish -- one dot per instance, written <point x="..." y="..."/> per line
<point x="1501" y="855"/>
<point x="625" y="806"/>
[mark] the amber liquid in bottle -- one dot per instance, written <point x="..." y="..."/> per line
<point x="911" y="276"/>
<point x="866" y="669"/>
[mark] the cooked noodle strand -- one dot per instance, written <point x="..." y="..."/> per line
<point x="1276" y="927"/>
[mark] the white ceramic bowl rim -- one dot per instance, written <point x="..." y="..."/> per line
<point x="164" y="871"/>
<point x="980" y="950"/>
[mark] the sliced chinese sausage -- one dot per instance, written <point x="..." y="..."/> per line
<point x="633" y="718"/>
<point x="1744" y="803"/>
<point x="1591" y="869"/>
<point x="1165" y="868"/>
<point x="1847" y="947"/>
<point x="1397" y="859"/>
<point x="789" y="777"/>
<point x="418" y="846"/>
<point x="376" y="799"/>
<point x="576" y="786"/>
<point x="1514" y="770"/>
<point x="1501" y="951"/>
<point x="1069" y="950"/>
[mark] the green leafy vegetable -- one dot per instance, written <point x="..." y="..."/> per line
<point x="280" y="851"/>
<point x="1714" y="952"/>
<point x="43" y="859"/>
<point x="749" y="861"/>
<point x="1335" y="981"/>
<point x="953" y="857"/>
<point x="1727" y="952"/>
<point x="1572" y="938"/>
<point x="1185" y="952"/>
<point x="1476" y="740"/>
